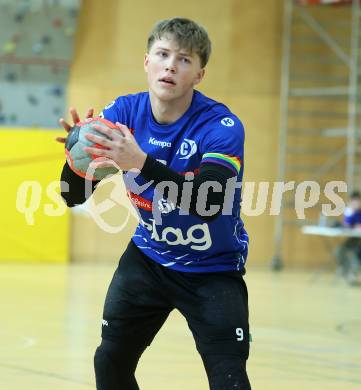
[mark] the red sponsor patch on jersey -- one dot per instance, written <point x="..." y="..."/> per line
<point x="140" y="202"/>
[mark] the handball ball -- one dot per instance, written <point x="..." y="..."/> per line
<point x="79" y="160"/>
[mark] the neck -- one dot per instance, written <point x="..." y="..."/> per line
<point x="165" y="111"/>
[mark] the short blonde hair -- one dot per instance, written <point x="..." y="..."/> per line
<point x="189" y="35"/>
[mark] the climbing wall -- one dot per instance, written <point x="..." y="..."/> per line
<point x="36" y="48"/>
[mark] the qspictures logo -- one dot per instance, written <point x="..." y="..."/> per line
<point x="257" y="199"/>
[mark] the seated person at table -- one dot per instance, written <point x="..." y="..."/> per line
<point x="348" y="254"/>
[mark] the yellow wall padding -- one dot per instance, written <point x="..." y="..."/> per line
<point x="34" y="221"/>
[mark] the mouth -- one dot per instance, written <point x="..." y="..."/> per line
<point x="167" y="81"/>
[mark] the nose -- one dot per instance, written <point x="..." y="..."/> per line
<point x="170" y="65"/>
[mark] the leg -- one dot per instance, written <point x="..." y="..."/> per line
<point x="347" y="255"/>
<point x="354" y="263"/>
<point x="341" y="258"/>
<point x="115" y="366"/>
<point x="226" y="372"/>
<point x="217" y="314"/>
<point x="134" y="311"/>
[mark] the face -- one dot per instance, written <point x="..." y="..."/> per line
<point x="172" y="72"/>
<point x="355" y="204"/>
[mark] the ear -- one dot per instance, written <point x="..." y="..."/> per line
<point x="199" y="76"/>
<point x="146" y="61"/>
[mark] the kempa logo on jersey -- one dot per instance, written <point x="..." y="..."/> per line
<point x="162" y="144"/>
<point x="187" y="149"/>
<point x="174" y="236"/>
<point x="229" y="122"/>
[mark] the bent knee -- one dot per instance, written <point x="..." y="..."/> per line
<point x="226" y="372"/>
<point x="105" y="357"/>
<point x="114" y="368"/>
<point x="111" y="355"/>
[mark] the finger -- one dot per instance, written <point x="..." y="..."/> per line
<point x="90" y="113"/>
<point x="97" y="151"/>
<point x="66" y="125"/>
<point x="74" y="115"/>
<point x="103" y="164"/>
<point x="60" y="139"/>
<point x="111" y="133"/>
<point x="124" y="130"/>
<point x="99" y="140"/>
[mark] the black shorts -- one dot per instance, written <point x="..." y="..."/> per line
<point x="142" y="293"/>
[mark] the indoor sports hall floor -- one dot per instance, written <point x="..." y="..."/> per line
<point x="306" y="329"/>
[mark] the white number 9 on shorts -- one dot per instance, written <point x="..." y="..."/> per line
<point x="239" y="333"/>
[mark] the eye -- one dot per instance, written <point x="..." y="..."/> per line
<point x="162" y="54"/>
<point x="185" y="60"/>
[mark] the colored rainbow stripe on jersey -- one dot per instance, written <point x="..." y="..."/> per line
<point x="231" y="162"/>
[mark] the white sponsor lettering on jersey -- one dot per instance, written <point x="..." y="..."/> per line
<point x="162" y="144"/>
<point x="174" y="236"/>
<point x="109" y="105"/>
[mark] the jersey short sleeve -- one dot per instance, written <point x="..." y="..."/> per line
<point x="223" y="143"/>
<point x="117" y="110"/>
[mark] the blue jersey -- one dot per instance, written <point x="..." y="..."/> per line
<point x="208" y="132"/>
<point x="352" y="217"/>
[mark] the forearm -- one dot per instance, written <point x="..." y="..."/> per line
<point x="73" y="187"/>
<point x="158" y="172"/>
